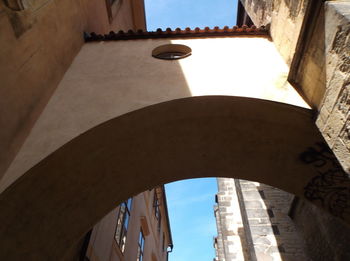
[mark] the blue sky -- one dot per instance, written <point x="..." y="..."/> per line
<point x="192" y="221"/>
<point x="191" y="202"/>
<point x="190" y="13"/>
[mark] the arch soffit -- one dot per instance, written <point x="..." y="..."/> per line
<point x="49" y="208"/>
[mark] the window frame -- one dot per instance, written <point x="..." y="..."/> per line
<point x="156" y="205"/>
<point x="157" y="210"/>
<point x="140" y="246"/>
<point x="123" y="219"/>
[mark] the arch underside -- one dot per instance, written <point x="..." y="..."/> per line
<point x="48" y="209"/>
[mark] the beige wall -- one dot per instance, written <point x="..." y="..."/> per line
<point x="108" y="79"/>
<point x="103" y="247"/>
<point x="37" y="45"/>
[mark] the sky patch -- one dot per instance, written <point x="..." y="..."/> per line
<point x="189" y="13"/>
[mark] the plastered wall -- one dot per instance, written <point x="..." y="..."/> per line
<point x="103" y="247"/>
<point x="37" y="45"/>
<point x="108" y="79"/>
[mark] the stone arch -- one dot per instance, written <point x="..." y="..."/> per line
<point x="48" y="209"/>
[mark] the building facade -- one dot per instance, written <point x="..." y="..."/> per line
<point x="138" y="229"/>
<point x="253" y="223"/>
<point x="259" y="222"/>
<point x="81" y="119"/>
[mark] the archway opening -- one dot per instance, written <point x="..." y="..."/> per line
<point x="233" y="137"/>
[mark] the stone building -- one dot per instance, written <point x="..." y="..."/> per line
<point x="138" y="229"/>
<point x="88" y="124"/>
<point x="253" y="223"/>
<point x="259" y="222"/>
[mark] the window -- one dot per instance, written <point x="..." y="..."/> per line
<point x="159" y="222"/>
<point x="141" y="245"/>
<point x="156" y="205"/>
<point x="171" y="51"/>
<point x="122" y="224"/>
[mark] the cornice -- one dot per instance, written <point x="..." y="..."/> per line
<point x="179" y="33"/>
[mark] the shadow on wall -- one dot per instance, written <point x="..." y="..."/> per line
<point x="246" y="254"/>
<point x="290" y="244"/>
<point x="110" y="79"/>
<point x="308" y="69"/>
<point x="326" y="237"/>
<point x="175" y="140"/>
<point x="39" y="40"/>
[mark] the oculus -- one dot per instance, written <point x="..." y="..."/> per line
<point x="171" y="51"/>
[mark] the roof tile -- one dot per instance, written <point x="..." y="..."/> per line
<point x="178" y="33"/>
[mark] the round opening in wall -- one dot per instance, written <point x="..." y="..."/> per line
<point x="171" y="51"/>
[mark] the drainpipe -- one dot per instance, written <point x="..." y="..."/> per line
<point x="169" y="251"/>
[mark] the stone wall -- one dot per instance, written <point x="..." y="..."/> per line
<point x="230" y="244"/>
<point x="334" y="116"/>
<point x="310" y="72"/>
<point x="313" y="38"/>
<point x="274" y="234"/>
<point x="326" y="237"/>
<point x="284" y="17"/>
<point x="253" y="223"/>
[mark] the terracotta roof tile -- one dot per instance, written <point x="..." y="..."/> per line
<point x="179" y="33"/>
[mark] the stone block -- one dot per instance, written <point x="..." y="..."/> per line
<point x="343" y="101"/>
<point x="253" y="204"/>
<point x="257" y="213"/>
<point x="261" y="230"/>
<point x="322" y="118"/>
<point x="342" y="152"/>
<point x="252" y="195"/>
<point x="333" y="127"/>
<point x="334" y="87"/>
<point x="345" y="133"/>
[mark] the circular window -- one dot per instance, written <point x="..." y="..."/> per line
<point x="171" y="51"/>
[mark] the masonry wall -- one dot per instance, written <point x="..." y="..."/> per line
<point x="322" y="74"/>
<point x="334" y="109"/>
<point x="318" y="53"/>
<point x="283" y="17"/>
<point x="231" y="242"/>
<point x="326" y="237"/>
<point x="254" y="223"/>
